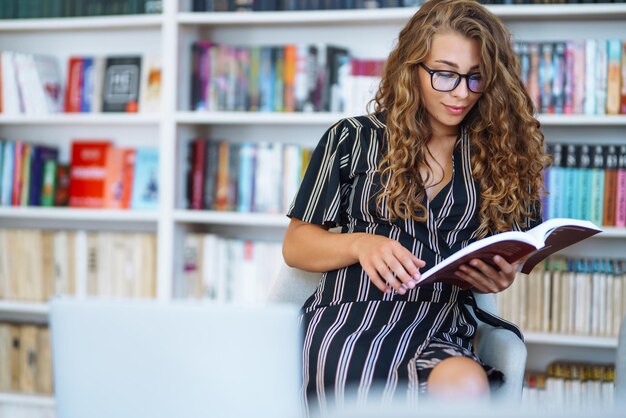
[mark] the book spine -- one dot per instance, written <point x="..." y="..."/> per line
<point x="623" y="90"/>
<point x="597" y="184"/>
<point x="584" y="191"/>
<point x="590" y="77"/>
<point x="601" y="75"/>
<point x="610" y="185"/>
<point x="620" y="214"/>
<point x="613" y="77"/>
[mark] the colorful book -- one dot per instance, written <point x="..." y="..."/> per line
<point x="145" y="193"/>
<point x="610" y="185"/>
<point x="88" y="173"/>
<point x="122" y="79"/>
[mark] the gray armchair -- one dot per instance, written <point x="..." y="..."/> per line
<point x="497" y="347"/>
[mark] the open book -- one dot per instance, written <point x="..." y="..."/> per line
<point x="538" y="243"/>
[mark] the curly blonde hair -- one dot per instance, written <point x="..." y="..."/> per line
<point x="507" y="150"/>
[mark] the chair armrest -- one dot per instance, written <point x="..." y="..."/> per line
<point x="502" y="349"/>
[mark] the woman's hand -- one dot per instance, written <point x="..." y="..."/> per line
<point x="387" y="263"/>
<point x="489" y="279"/>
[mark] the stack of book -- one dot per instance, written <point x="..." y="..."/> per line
<point x="285" y="78"/>
<point x="227" y="270"/>
<point x="568" y="296"/>
<point x="575" y="77"/>
<point x="99" y="175"/>
<point x="25" y="359"/>
<point x="570" y="387"/>
<point x="36" y="265"/>
<point x="245" y="177"/>
<point x="33" y="84"/>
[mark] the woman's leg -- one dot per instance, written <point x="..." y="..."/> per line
<point x="458" y="377"/>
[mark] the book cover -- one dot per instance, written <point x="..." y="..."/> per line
<point x="145" y="193"/>
<point x="122" y="77"/>
<point x="51" y="81"/>
<point x="8" y="159"/>
<point x="114" y="178"/>
<point x="538" y="243"/>
<point x="597" y="184"/>
<point x="128" y="170"/>
<point x="41" y="155"/>
<point x="150" y="89"/>
<point x="610" y="185"/>
<point x="620" y="211"/>
<point x="613" y="79"/>
<point x="62" y="186"/>
<point x="88" y="173"/>
<point x="73" y="92"/>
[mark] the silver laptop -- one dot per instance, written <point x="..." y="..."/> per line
<point x="148" y="359"/>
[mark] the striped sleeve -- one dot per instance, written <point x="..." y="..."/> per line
<point x="318" y="200"/>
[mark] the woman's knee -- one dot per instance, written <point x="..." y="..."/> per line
<point x="458" y="376"/>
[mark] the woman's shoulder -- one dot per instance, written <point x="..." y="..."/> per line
<point x="373" y="121"/>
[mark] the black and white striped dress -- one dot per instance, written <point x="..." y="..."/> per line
<point x="358" y="340"/>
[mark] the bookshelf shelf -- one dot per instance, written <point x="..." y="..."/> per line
<point x="260" y="118"/>
<point x="83" y="119"/>
<point x="395" y="15"/>
<point x="30" y="400"/>
<point x="230" y="218"/>
<point x="612" y="232"/>
<point x="325" y="118"/>
<point x="582" y="120"/>
<point x="24" y="311"/>
<point x="570" y="340"/>
<point x="71" y="214"/>
<point x="82" y="23"/>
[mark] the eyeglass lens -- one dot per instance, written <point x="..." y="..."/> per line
<point x="447" y="81"/>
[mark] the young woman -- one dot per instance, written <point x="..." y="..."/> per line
<point x="451" y="153"/>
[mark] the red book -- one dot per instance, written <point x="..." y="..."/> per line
<point x="88" y="174"/>
<point x="198" y="166"/>
<point x="74" y="83"/>
<point x="62" y="190"/>
<point x="128" y="169"/>
<point x="17" y="173"/>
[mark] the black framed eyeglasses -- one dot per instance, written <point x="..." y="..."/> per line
<point x="444" y="80"/>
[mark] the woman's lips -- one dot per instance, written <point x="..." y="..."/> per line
<point x="455" y="110"/>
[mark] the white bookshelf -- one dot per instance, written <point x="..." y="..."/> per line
<point x="75" y="214"/>
<point x="73" y="119"/>
<point x="81" y="23"/>
<point x="19" y="399"/>
<point x="569" y="340"/>
<point x="171" y="34"/>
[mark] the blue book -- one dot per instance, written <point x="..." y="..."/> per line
<point x="40" y="155"/>
<point x="597" y="185"/>
<point x="266" y="80"/>
<point x="87" y="85"/>
<point x="245" y="193"/>
<point x="146" y="179"/>
<point x="585" y="183"/>
<point x="571" y="189"/>
<point x="556" y="178"/>
<point x="8" y="156"/>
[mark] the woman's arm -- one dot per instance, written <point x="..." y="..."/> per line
<point x="388" y="264"/>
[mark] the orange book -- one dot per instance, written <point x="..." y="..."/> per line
<point x="289" y="77"/>
<point x="128" y="168"/>
<point x="88" y="173"/>
<point x="610" y="186"/>
<point x="221" y="193"/>
<point x="113" y="181"/>
<point x="623" y="95"/>
<point x="74" y="85"/>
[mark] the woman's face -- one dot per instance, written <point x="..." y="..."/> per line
<point x="451" y="52"/>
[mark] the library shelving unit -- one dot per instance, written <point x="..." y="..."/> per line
<point x="367" y="33"/>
